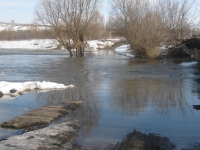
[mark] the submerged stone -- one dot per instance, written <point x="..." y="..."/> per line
<point x="13" y="91"/>
<point x="1" y="94"/>
<point x="41" y="116"/>
<point x="140" y="141"/>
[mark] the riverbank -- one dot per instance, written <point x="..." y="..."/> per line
<point x="52" y="44"/>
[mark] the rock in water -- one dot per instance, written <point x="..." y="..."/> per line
<point x="140" y="141"/>
<point x="1" y="94"/>
<point x="55" y="137"/>
<point x="197" y="107"/>
<point x="13" y="91"/>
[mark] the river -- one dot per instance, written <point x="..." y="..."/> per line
<point x="120" y="94"/>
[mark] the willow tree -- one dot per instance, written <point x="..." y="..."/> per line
<point x="69" y="20"/>
<point x="140" y="22"/>
<point x="147" y="24"/>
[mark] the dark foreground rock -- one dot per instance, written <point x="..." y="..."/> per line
<point x="197" y="107"/>
<point x="1" y="94"/>
<point x="55" y="137"/>
<point x="135" y="141"/>
<point x="140" y="141"/>
<point x="41" y="116"/>
<point x="196" y="147"/>
<point x="102" y="147"/>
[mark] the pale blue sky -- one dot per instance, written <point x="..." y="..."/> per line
<point x="22" y="11"/>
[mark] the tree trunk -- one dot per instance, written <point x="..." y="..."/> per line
<point x="77" y="51"/>
<point x="82" y="51"/>
<point x="70" y="53"/>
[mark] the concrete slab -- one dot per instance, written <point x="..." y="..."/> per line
<point x="41" y="116"/>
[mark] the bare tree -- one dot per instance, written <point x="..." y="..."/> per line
<point x="178" y="17"/>
<point x="96" y="28"/>
<point x="146" y="24"/>
<point x="69" y="19"/>
<point x="140" y="22"/>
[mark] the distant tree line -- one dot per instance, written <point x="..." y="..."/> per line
<point x="97" y="31"/>
<point x="10" y="35"/>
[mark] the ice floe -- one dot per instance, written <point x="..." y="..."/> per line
<point x="187" y="64"/>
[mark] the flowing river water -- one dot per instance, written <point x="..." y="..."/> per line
<point x="120" y="94"/>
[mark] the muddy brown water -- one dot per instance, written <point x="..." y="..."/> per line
<point x="120" y="94"/>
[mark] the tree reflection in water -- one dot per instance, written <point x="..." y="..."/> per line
<point x="165" y="97"/>
<point x="89" y="112"/>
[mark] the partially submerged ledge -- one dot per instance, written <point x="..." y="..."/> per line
<point x="55" y="137"/>
<point x="41" y="116"/>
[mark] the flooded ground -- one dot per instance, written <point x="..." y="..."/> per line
<point x="120" y="94"/>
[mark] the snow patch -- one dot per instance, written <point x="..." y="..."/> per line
<point x="116" y="40"/>
<point x="124" y="50"/>
<point x="7" y="87"/>
<point x="187" y="64"/>
<point x="30" y="44"/>
<point x="19" y="27"/>
<point x="95" y="44"/>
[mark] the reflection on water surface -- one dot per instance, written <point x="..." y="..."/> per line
<point x="120" y="94"/>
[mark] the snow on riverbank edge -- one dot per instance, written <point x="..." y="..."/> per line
<point x="188" y="64"/>
<point x="14" y="89"/>
<point x="124" y="50"/>
<point x="53" y="44"/>
<point x="30" y="44"/>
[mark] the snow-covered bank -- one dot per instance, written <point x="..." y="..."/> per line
<point x="30" y="44"/>
<point x="19" y="27"/>
<point x="187" y="64"/>
<point x="16" y="88"/>
<point x="52" y="44"/>
<point x="124" y="50"/>
<point x="95" y="44"/>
